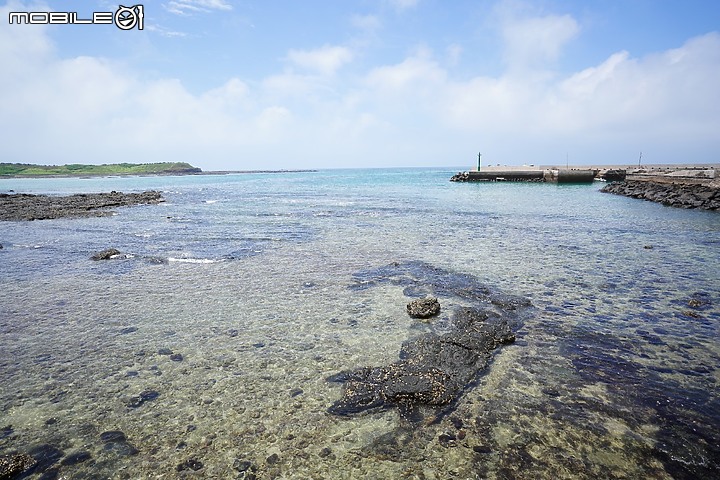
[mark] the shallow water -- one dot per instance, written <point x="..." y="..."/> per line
<point x="210" y="345"/>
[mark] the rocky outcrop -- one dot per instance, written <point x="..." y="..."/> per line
<point x="11" y="466"/>
<point x="460" y="177"/>
<point x="20" y="206"/>
<point x="435" y="368"/>
<point x="680" y="195"/>
<point x="423" y="307"/>
<point x="106" y="254"/>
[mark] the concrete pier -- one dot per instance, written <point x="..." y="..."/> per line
<point x="527" y="174"/>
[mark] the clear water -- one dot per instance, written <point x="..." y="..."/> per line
<point x="247" y="276"/>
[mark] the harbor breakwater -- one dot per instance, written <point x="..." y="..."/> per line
<point x="683" y="186"/>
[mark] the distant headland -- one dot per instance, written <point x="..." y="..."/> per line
<point x="24" y="170"/>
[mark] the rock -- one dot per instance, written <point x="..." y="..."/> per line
<point x="12" y="466"/>
<point x="145" y="396"/>
<point x="116" y="442"/>
<point x="701" y="196"/>
<point x="106" y="254"/>
<point x="433" y="369"/>
<point x="460" y="177"/>
<point x="423" y="308"/>
<point x="113" y="436"/>
<point x="26" y="207"/>
<point x="190" y="464"/>
<point x="176" y="357"/>
<point x="46" y="456"/>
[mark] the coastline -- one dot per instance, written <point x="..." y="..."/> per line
<point x="157" y="174"/>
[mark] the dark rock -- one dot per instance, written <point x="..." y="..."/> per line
<point x="325" y="452"/>
<point x="434" y="368"/>
<point x="190" y="464"/>
<point x="19" y="206"/>
<point x="46" y="456"/>
<point x="113" y="436"/>
<point x="423" y="308"/>
<point x="11" y="466"/>
<point x="106" y="254"/>
<point x="296" y="391"/>
<point x="127" y="330"/>
<point x="457" y="422"/>
<point x="273" y="459"/>
<point x="145" y="396"/>
<point x="447" y="440"/>
<point x="675" y="195"/>
<point x="242" y="465"/>
<point x="176" y="357"/>
<point x="75" y="458"/>
<point x="165" y="351"/>
<point x="482" y="449"/>
<point x="6" y="431"/>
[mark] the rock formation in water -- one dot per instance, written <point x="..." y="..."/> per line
<point x="423" y="307"/>
<point x="11" y="466"/>
<point x="681" y="195"/>
<point x="434" y="369"/>
<point x="22" y="206"/>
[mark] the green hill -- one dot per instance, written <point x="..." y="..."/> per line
<point x="76" y="169"/>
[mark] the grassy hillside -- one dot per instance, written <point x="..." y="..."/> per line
<point x="113" y="169"/>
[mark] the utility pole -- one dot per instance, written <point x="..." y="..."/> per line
<point x="639" y="159"/>
<point x="479" y="161"/>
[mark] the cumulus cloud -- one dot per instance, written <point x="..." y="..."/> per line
<point x="410" y="112"/>
<point x="533" y="42"/>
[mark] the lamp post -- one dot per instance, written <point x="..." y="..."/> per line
<point x="479" y="161"/>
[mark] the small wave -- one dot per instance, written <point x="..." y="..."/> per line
<point x="192" y="260"/>
<point x="211" y="201"/>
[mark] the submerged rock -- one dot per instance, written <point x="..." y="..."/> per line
<point x="423" y="308"/>
<point x="106" y="254"/>
<point x="19" y="206"/>
<point x="11" y="466"/>
<point x="435" y="368"/>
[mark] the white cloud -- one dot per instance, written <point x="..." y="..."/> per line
<point x="413" y="111"/>
<point x="533" y="42"/>
<point x="325" y="60"/>
<point x="185" y="7"/>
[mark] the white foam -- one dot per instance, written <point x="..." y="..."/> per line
<point x="192" y="260"/>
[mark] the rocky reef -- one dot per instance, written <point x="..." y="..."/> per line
<point x="435" y="368"/>
<point x="25" y="207"/>
<point x="682" y="195"/>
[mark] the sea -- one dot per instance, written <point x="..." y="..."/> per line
<point x="206" y="348"/>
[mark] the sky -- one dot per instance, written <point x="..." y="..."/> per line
<point x="236" y="85"/>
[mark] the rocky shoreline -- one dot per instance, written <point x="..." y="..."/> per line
<point x="27" y="207"/>
<point x="681" y="195"/>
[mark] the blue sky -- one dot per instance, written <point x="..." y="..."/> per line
<point x="370" y="83"/>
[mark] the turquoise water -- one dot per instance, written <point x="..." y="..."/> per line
<point x="211" y="341"/>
